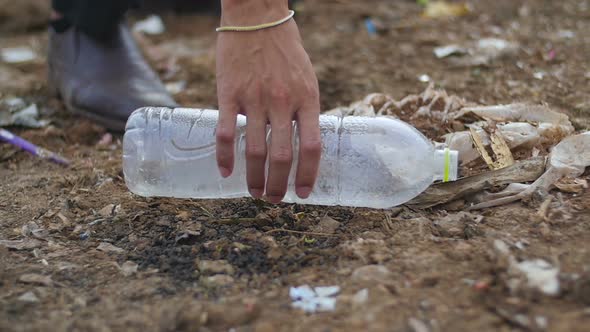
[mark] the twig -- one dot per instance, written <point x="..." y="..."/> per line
<point x="35" y="150"/>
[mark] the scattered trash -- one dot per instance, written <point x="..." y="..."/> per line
<point x="36" y="279"/>
<point x="175" y="87"/>
<point x="424" y="78"/>
<point x="540" y="75"/>
<point x="536" y="274"/>
<point x="17" y="54"/>
<point x="35" y="150"/>
<point x="540" y="275"/>
<point x="479" y="53"/>
<point x="370" y="26"/>
<point x="438" y="9"/>
<point x="311" y="300"/>
<point x="29" y="297"/>
<point x="152" y="25"/>
<point x="20" y="115"/>
<point x="109" y="248"/>
<point x="448" y="50"/>
<point x="569" y="158"/>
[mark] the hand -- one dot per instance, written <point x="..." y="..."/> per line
<point x="268" y="76"/>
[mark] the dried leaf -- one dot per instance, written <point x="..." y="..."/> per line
<point x="481" y="148"/>
<point x="504" y="157"/>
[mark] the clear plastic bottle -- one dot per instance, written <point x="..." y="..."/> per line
<point x="366" y="162"/>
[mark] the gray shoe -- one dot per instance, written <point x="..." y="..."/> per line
<point x="104" y="81"/>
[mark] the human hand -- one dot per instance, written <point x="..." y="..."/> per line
<point x="268" y="76"/>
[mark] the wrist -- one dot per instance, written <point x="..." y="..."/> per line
<point x="252" y="12"/>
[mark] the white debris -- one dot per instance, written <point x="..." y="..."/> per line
<point x="424" y="78"/>
<point x="327" y="291"/>
<point x="27" y="117"/>
<point x="318" y="299"/>
<point x="448" y="50"/>
<point x="17" y="55"/>
<point x="153" y="25"/>
<point x="540" y="75"/>
<point x="175" y="87"/>
<point x="540" y="275"/>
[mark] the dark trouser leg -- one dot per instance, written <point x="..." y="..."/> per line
<point x="97" y="18"/>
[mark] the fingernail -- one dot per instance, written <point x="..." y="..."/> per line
<point x="225" y="172"/>
<point x="304" y="192"/>
<point x="274" y="199"/>
<point x="256" y="193"/>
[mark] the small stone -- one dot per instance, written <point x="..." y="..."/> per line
<point x="215" y="267"/>
<point x="129" y="268"/>
<point x="29" y="297"/>
<point x="375" y="273"/>
<point x="107" y="211"/>
<point x="108" y="248"/>
<point x="183" y="215"/>
<point x="326" y="225"/>
<point x="36" y="279"/>
<point x="219" y="280"/>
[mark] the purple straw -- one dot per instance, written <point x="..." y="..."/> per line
<point x="11" y="138"/>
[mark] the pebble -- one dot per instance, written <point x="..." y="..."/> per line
<point x="215" y="267"/>
<point x="326" y="225"/>
<point x="107" y="247"/>
<point x="219" y="280"/>
<point x="376" y="273"/>
<point x="28" y="297"/>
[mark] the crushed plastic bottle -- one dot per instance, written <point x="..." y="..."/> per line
<point x="366" y="162"/>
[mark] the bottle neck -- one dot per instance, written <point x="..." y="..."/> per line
<point x="446" y="165"/>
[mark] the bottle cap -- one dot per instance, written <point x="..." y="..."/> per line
<point x="446" y="163"/>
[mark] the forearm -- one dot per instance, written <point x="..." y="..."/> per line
<point x="252" y="12"/>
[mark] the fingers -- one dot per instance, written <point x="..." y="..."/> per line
<point x="281" y="157"/>
<point x="225" y="137"/>
<point x="310" y="150"/>
<point x="256" y="153"/>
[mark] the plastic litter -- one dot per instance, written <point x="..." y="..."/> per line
<point x="152" y="25"/>
<point x="371" y="162"/>
<point x="569" y="158"/>
<point x="311" y="300"/>
<point x="17" y="55"/>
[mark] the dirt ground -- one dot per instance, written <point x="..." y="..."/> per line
<point x="228" y="265"/>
